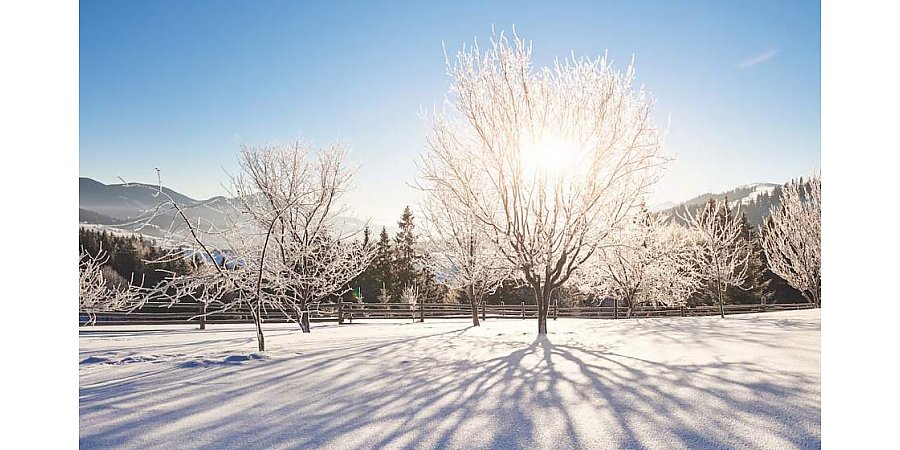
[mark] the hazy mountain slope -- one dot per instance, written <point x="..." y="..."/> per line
<point x="129" y="209"/>
<point x="123" y="201"/>
<point x="756" y="200"/>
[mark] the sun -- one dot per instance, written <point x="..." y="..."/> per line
<point x="549" y="156"/>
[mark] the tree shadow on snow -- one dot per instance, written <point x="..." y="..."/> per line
<point x="453" y="389"/>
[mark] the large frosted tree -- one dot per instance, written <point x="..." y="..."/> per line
<point x="549" y="161"/>
<point x="792" y="238"/>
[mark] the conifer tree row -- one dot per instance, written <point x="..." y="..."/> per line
<point x="399" y="262"/>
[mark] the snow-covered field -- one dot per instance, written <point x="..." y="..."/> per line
<point x="750" y="381"/>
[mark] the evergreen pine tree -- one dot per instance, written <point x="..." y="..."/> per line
<point x="369" y="282"/>
<point x="430" y="291"/>
<point x="406" y="258"/>
<point x="133" y="257"/>
<point x="411" y="267"/>
<point x="382" y="268"/>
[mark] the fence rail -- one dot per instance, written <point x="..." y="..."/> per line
<point x="181" y="313"/>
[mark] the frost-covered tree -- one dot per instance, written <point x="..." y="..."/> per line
<point x="409" y="296"/>
<point x="792" y="238"/>
<point x="646" y="263"/>
<point x="219" y="283"/>
<point x="287" y="248"/>
<point x="758" y="288"/>
<point x="294" y="193"/>
<point x="384" y="296"/>
<point x="549" y="161"/>
<point x="720" y="251"/>
<point x="100" y="291"/>
<point x="463" y="255"/>
<point x="677" y="277"/>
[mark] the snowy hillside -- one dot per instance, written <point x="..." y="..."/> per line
<point x="755" y="190"/>
<point x="756" y="200"/>
<point x="750" y="381"/>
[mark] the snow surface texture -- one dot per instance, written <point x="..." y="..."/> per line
<point x="749" y="381"/>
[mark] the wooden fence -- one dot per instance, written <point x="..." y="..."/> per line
<point x="181" y="313"/>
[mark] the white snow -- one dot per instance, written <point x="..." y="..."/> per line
<point x="760" y="190"/>
<point x="749" y="381"/>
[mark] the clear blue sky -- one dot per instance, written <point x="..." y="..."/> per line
<point x="178" y="85"/>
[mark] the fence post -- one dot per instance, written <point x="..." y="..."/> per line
<point x="483" y="311"/>
<point x="203" y="316"/>
<point x="422" y="312"/>
<point x="615" y="308"/>
<point x="682" y="311"/>
<point x="555" y="309"/>
<point x="523" y="310"/>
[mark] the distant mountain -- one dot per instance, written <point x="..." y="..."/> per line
<point x="128" y="201"/>
<point x="129" y="208"/>
<point x="132" y="207"/>
<point x="756" y="200"/>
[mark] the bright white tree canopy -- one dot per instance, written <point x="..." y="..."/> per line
<point x="548" y="160"/>
<point x="792" y="238"/>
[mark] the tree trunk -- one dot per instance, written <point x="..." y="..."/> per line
<point x="260" y="339"/>
<point x="203" y="316"/>
<point x="813" y="297"/>
<point x="304" y="321"/>
<point x="303" y="317"/>
<point x="474" y="303"/>
<point x="543" y="307"/>
<point x="340" y="311"/>
<point x="721" y="300"/>
<point x="542" y="296"/>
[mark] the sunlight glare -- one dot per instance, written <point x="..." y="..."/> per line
<point x="551" y="156"/>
